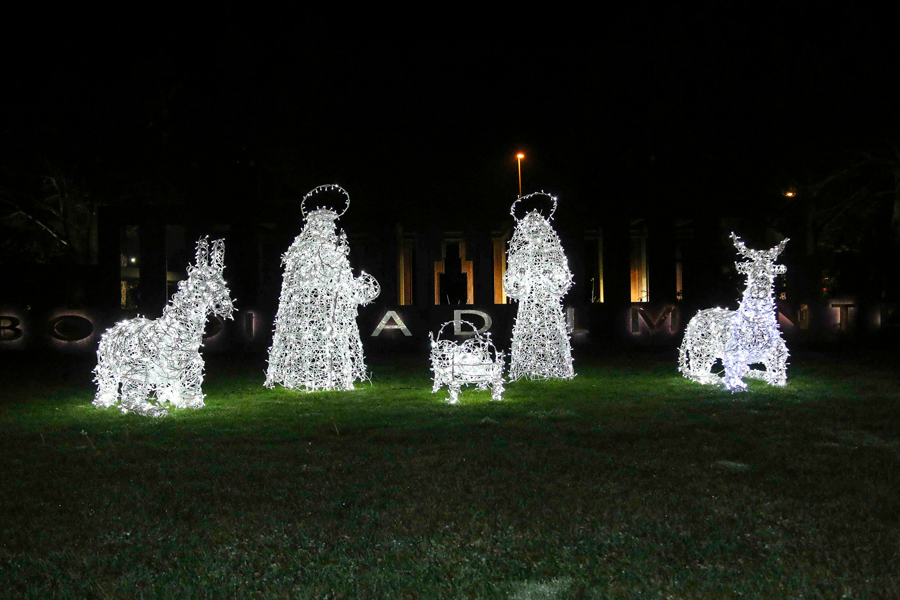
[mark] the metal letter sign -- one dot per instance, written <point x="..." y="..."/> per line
<point x="70" y="328"/>
<point x="570" y="322"/>
<point x="457" y="321"/>
<point x="668" y="314"/>
<point x="843" y="323"/>
<point x="398" y="324"/>
<point x="9" y="328"/>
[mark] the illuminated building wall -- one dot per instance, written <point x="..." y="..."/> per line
<point x="616" y="261"/>
<point x="682" y="262"/>
<point x="637" y="250"/>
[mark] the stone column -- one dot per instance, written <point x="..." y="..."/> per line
<point x="425" y="255"/>
<point x="152" y="267"/>
<point x="661" y="246"/>
<point x="616" y="262"/>
<point x="108" y="294"/>
<point x="480" y="250"/>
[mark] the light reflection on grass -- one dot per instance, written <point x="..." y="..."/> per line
<point x="609" y="485"/>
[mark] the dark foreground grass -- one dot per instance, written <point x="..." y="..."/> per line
<point x="628" y="482"/>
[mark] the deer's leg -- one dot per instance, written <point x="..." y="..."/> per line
<point x="695" y="367"/>
<point x="704" y="370"/>
<point x="697" y="360"/>
<point x="776" y="365"/>
<point x="734" y="372"/>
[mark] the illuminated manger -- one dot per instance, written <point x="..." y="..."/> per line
<point x="144" y="365"/>
<point x="476" y="361"/>
<point x="316" y="345"/>
<point x="538" y="276"/>
<point x="742" y="337"/>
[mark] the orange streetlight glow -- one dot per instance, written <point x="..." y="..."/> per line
<point x="520" y="156"/>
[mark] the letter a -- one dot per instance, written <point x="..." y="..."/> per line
<point x="398" y="324"/>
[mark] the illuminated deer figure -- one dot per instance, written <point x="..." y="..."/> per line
<point x="743" y="337"/>
<point x="151" y="363"/>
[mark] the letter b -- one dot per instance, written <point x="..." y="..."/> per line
<point x="9" y="328"/>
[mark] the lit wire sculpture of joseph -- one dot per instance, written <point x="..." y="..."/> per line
<point x="538" y="276"/>
<point x="316" y="344"/>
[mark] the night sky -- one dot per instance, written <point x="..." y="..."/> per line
<point x="418" y="112"/>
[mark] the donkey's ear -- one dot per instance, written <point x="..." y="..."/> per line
<point x="741" y="246"/>
<point x="202" y="256"/>
<point x="217" y="254"/>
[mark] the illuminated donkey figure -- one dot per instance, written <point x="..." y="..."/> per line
<point x="161" y="358"/>
<point x="743" y="337"/>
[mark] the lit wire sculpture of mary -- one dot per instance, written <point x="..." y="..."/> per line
<point x="538" y="276"/>
<point x="317" y="344"/>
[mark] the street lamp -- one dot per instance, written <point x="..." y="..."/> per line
<point x="519" y="157"/>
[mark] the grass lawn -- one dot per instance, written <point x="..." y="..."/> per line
<point x="627" y="482"/>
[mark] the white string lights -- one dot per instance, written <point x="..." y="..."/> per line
<point x="476" y="361"/>
<point x="740" y="338"/>
<point x="538" y="277"/>
<point x="317" y="344"/>
<point x="149" y="364"/>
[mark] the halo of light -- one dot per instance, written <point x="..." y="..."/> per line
<point x="553" y="200"/>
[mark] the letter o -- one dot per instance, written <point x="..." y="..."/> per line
<point x="70" y="328"/>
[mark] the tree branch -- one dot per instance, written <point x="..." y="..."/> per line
<point x="37" y="221"/>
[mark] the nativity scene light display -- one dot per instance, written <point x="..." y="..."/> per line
<point x="145" y="366"/>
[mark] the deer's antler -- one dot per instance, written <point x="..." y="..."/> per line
<point x="773" y="253"/>
<point x="742" y="248"/>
